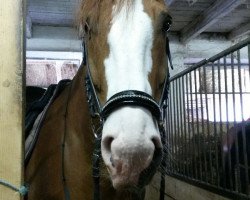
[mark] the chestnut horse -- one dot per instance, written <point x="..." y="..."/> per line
<point x="125" y="51"/>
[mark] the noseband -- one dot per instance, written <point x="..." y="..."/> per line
<point x="127" y="98"/>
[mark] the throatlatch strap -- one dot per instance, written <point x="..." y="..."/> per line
<point x="169" y="53"/>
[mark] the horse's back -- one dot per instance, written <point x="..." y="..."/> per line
<point x="46" y="181"/>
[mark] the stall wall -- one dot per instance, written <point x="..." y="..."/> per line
<point x="11" y="96"/>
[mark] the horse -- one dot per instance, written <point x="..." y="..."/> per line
<point x="234" y="157"/>
<point x="125" y="72"/>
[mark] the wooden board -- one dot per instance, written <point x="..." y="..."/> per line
<point x="11" y="95"/>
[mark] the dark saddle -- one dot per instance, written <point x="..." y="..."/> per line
<point x="35" y="114"/>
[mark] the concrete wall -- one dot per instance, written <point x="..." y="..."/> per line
<point x="48" y="38"/>
<point x="65" y="39"/>
<point x="203" y="47"/>
<point x="179" y="190"/>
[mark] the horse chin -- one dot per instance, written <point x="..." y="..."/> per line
<point x="123" y="182"/>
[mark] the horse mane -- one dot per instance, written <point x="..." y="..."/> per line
<point x="88" y="12"/>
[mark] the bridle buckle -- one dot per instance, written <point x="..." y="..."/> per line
<point x="97" y="125"/>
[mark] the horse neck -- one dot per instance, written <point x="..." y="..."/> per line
<point x="78" y="117"/>
<point x="82" y="138"/>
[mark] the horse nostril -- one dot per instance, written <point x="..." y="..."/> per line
<point x="112" y="161"/>
<point x="157" y="142"/>
<point x="107" y="141"/>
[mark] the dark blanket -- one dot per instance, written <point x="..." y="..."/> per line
<point x="35" y="114"/>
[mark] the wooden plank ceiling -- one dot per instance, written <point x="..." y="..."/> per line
<point x="193" y="17"/>
<point x="190" y="17"/>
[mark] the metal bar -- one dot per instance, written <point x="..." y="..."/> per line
<point x="175" y="128"/>
<point x="178" y="138"/>
<point x="214" y="111"/>
<point x="193" y="132"/>
<point x="248" y="52"/>
<point x="242" y="64"/>
<point x="237" y="185"/>
<point x="227" y="108"/>
<point x="231" y="93"/>
<point x="235" y="124"/>
<point x="190" y="164"/>
<point x="181" y="125"/>
<point x="197" y="125"/>
<point x="220" y="112"/>
<point x="229" y="50"/>
<point x="243" y="125"/>
<point x="185" y="126"/>
<point x="202" y="124"/>
<point x="208" y="125"/>
<point x="216" y="139"/>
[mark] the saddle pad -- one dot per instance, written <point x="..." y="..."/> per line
<point x="36" y="114"/>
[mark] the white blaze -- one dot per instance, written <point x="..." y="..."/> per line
<point x="130" y="43"/>
<point x="127" y="68"/>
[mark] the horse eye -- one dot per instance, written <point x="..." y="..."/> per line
<point x="166" y="23"/>
<point x="166" y="26"/>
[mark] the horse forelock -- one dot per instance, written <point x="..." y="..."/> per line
<point x="89" y="11"/>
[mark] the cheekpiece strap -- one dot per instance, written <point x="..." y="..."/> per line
<point x="93" y="102"/>
<point x="169" y="53"/>
<point x="96" y="168"/>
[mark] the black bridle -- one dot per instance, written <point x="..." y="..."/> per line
<point x="127" y="98"/>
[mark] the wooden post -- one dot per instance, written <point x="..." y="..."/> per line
<point x="12" y="15"/>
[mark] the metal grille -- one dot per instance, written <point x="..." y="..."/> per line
<point x="208" y="123"/>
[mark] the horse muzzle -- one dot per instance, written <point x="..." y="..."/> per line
<point x="129" y="160"/>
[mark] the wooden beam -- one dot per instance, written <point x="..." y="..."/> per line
<point x="218" y="10"/>
<point x="242" y="30"/>
<point x="11" y="96"/>
<point x="169" y="2"/>
<point x="28" y="27"/>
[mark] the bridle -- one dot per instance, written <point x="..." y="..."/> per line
<point x="136" y="98"/>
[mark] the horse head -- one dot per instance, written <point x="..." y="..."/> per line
<point x="126" y="42"/>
